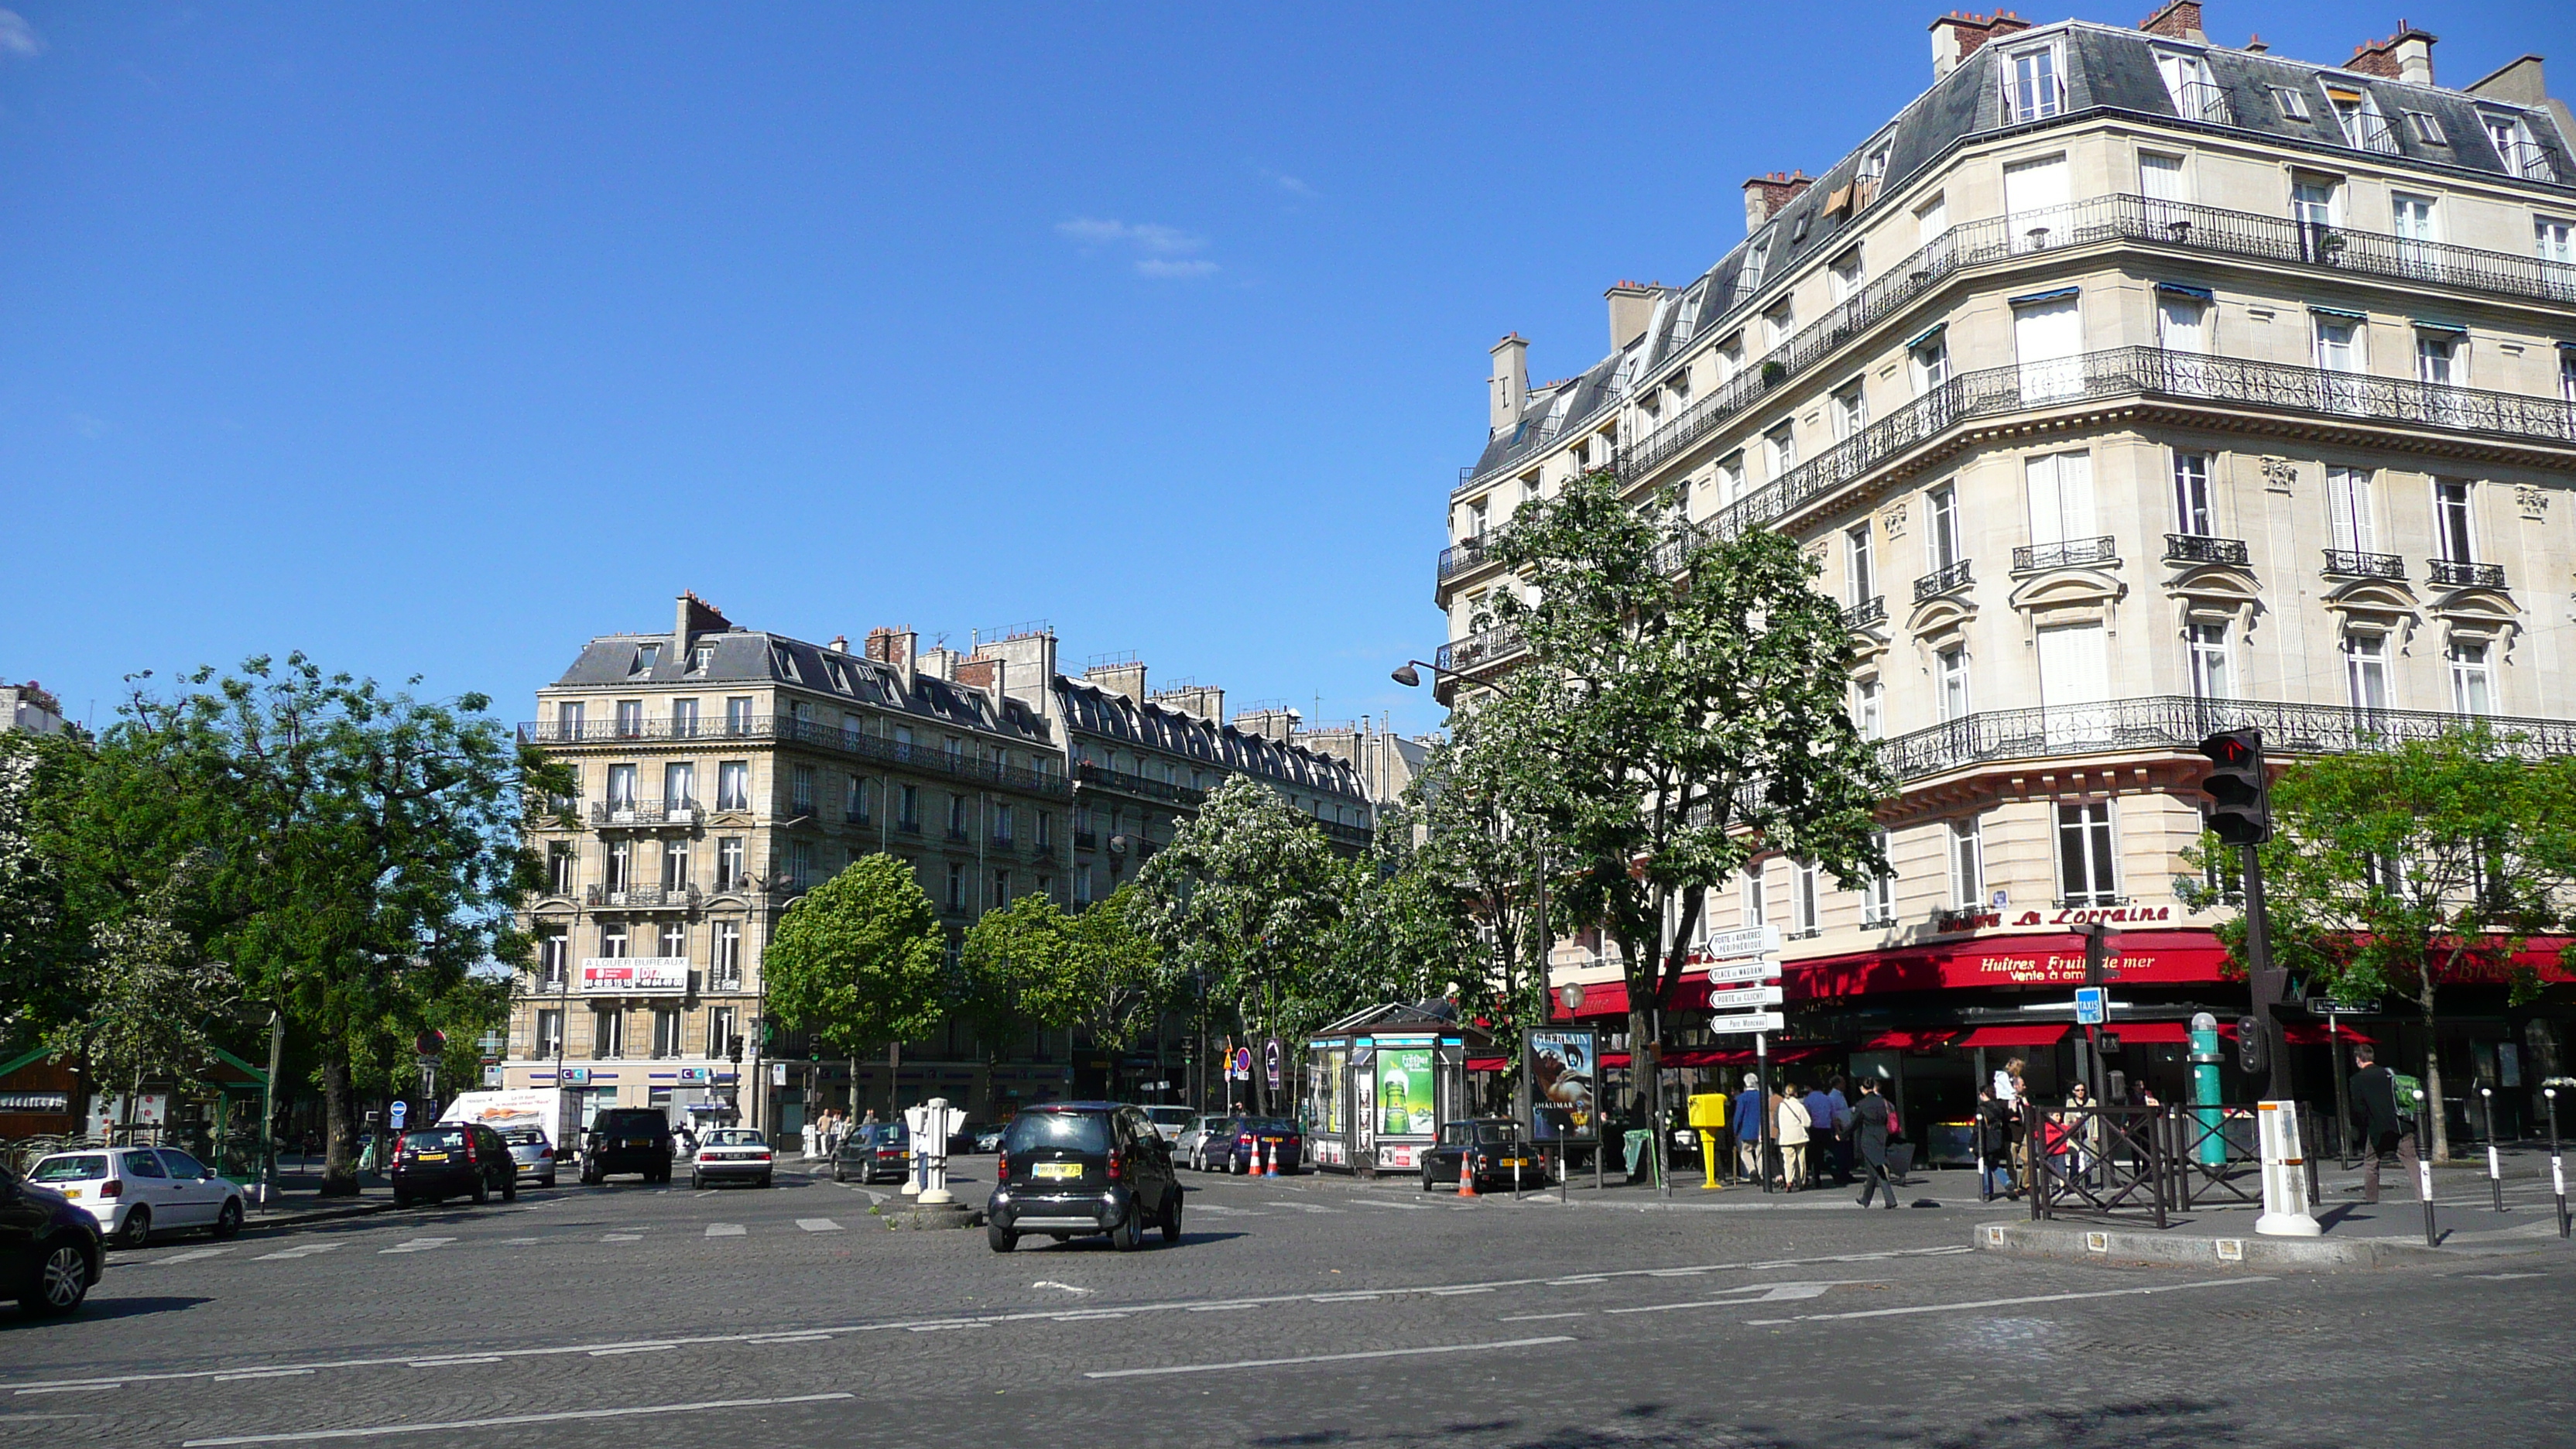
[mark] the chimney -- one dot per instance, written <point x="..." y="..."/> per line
<point x="2176" y="20"/>
<point x="1765" y="195"/>
<point x="1029" y="659"/>
<point x="2255" y="45"/>
<point x="1272" y="722"/>
<point x="1205" y="701"/>
<point x="1957" y="35"/>
<point x="1507" y="387"/>
<point x="694" y="616"/>
<point x="940" y="662"/>
<point x="895" y="647"/>
<point x="1124" y="675"/>
<point x="983" y="674"/>
<point x="1632" y="310"/>
<point x="2406" y="56"/>
<point x="840" y="644"/>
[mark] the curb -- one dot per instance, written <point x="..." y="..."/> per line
<point x="2136" y="1246"/>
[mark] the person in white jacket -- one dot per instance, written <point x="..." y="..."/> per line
<point x="1792" y="1137"/>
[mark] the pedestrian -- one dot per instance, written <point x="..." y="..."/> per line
<point x="1791" y="1133"/>
<point x="1748" y="1130"/>
<point x="2383" y="1126"/>
<point x="1995" y="1123"/>
<point x="2025" y="1117"/>
<point x="1820" y="1131"/>
<point x="2083" y="1130"/>
<point x="1839" y="1096"/>
<point x="1870" y="1118"/>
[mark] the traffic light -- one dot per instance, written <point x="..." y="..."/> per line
<point x="2250" y="1046"/>
<point x="2239" y="791"/>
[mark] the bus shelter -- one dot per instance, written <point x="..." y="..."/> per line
<point x="1375" y="1086"/>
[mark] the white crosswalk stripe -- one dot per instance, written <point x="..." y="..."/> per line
<point x="417" y="1245"/>
<point x="305" y="1251"/>
<point x="818" y="1225"/>
<point x="724" y="1230"/>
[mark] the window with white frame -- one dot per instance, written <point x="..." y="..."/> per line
<point x="1843" y="276"/>
<point x="1931" y="221"/>
<point x="1879" y="906"/>
<point x="2365" y="662"/>
<point x="2160" y="177"/>
<point x="1782" y="320"/>
<point x="733" y="785"/>
<point x="2086" y="870"/>
<point x="554" y="959"/>
<point x="1755" y="907"/>
<point x="2182" y="320"/>
<point x="1783" y="441"/>
<point x="1860" y="573"/>
<point x="1869" y="709"/>
<point x="721" y="1031"/>
<point x="2291" y="102"/>
<point x="2515" y="147"/>
<point x="724" y="965"/>
<point x="2211" y="674"/>
<point x="2453" y="531"/>
<point x="2441" y="356"/>
<point x="2316" y="204"/>
<point x="675" y="940"/>
<point x="1930" y="360"/>
<point x="666" y="1032"/>
<point x="607" y="1033"/>
<point x="1950" y="676"/>
<point x="2060" y="488"/>
<point x="2187" y="81"/>
<point x="2553" y="240"/>
<point x="2036" y="193"/>
<point x="2348" y="510"/>
<point x="550" y="1032"/>
<point x="1730" y="478"/>
<point x="1851" y="410"/>
<point x="2033" y="87"/>
<point x="1748" y="279"/>
<point x="1967" y="865"/>
<point x="2363" y="127"/>
<point x="621" y="787"/>
<point x="2567" y="372"/>
<point x="2472" y="677"/>
<point x="2193" y="515"/>
<point x="618" y="865"/>
<point x="2427" y="128"/>
<point x="1806" y="903"/>
<point x="1941" y="539"/>
<point x="675" y="864"/>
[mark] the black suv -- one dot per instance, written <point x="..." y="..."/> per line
<point x="1071" y="1169"/>
<point x="627" y="1139"/>
<point x="453" y="1159"/>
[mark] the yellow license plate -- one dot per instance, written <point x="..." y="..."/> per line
<point x="1515" y="1162"/>
<point x="641" y="1142"/>
<point x="1059" y="1169"/>
<point x="430" y="1157"/>
<point x="71" y="1192"/>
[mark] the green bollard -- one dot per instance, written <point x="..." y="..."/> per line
<point x="2204" y="1090"/>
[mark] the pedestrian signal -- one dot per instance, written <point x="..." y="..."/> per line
<point x="2239" y="790"/>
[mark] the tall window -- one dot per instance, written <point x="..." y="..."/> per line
<point x="1931" y="221"/>
<point x="675" y="864"/>
<point x="2472" y="680"/>
<point x="679" y="784"/>
<point x="666" y="1031"/>
<point x="957" y="817"/>
<point x="733" y="785"/>
<point x="559" y="868"/>
<point x="1950" y="672"/>
<point x="1756" y="906"/>
<point x="2339" y="351"/>
<point x="956" y="886"/>
<point x="1002" y="825"/>
<point x="2160" y="178"/>
<point x="2451" y="523"/>
<point x="1730" y="478"/>
<point x="550" y="1032"/>
<point x="2566" y="373"/>
<point x="1931" y="360"/>
<point x="2060" y="486"/>
<point x="2048" y="343"/>
<point x="2182" y="319"/>
<point x="607" y="1033"/>
<point x="800" y="864"/>
<point x="1806" y="905"/>
<point x="675" y="941"/>
<point x="856" y="806"/>
<point x="2411" y="222"/>
<point x="2316" y="204"/>
<point x="620" y="862"/>
<point x="2084" y="857"/>
<point x="1784" y="448"/>
<point x="2553" y="240"/>
<point x="2192" y="513"/>
<point x="1869" y="709"/>
<point x="730" y="874"/>
<point x="2035" y="197"/>
<point x="612" y="940"/>
<point x="738" y="715"/>
<point x="1881" y="905"/>
<point x="721" y="1032"/>
<point x="684" y="719"/>
<point x="2032" y="90"/>
<point x="1851" y="411"/>
<point x="2440" y="358"/>
<point x="801" y="789"/>
<point x="621" y="787"/>
<point x="2210" y="675"/>
<point x="2365" y="662"/>
<point x="1082" y="885"/>
<point x="2348" y="509"/>
<point x="554" y="960"/>
<point x="1967" y="865"/>
<point x="1942" y="538"/>
<point x="1858" y="569"/>
<point x="909" y="816"/>
<point x="630" y="718"/>
<point x="568" y="717"/>
<point x="724" y="965"/>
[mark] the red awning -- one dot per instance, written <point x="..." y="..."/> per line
<point x="2013" y="1036"/>
<point x="2314" y="1033"/>
<point x="1911" y="1041"/>
<point x="2150" y="1033"/>
<point x="1487" y="1064"/>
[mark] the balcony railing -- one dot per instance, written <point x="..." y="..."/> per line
<point x="1869" y="611"/>
<point x="645" y="812"/>
<point x="2178" y="723"/>
<point x="1085" y="840"/>
<point x="2452" y="573"/>
<point x="2203" y="549"/>
<point x="2102" y="219"/>
<point x="1941" y="581"/>
<point x="2068" y="553"/>
<point x="1479" y="650"/>
<point x="644" y="898"/>
<point x="2527" y="160"/>
<point x="2345" y="563"/>
<point x="1466" y="553"/>
<point x="925" y="759"/>
<point x="2365" y="132"/>
<point x="2201" y="101"/>
<point x="1099" y="777"/>
<point x="1340" y="834"/>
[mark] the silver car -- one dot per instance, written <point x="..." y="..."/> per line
<point x="534" y="1155"/>
<point x="1190" y="1146"/>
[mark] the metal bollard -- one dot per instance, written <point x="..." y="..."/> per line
<point x="2495" y="1164"/>
<point x="2424" y="1168"/>
<point x="2557" y="1169"/>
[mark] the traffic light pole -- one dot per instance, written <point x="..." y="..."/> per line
<point x="2266" y="981"/>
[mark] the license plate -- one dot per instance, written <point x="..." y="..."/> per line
<point x="640" y="1142"/>
<point x="71" y="1192"/>
<point x="429" y="1157"/>
<point x="1514" y="1162"/>
<point x="1059" y="1169"/>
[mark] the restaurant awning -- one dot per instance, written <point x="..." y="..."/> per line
<point x="2014" y="1036"/>
<point x="1911" y="1040"/>
<point x="1487" y="1064"/>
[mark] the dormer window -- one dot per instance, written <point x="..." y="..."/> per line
<point x="2427" y="128"/>
<point x="2292" y="105"/>
<point x="1750" y="278"/>
<point x="2514" y="146"/>
<point x="2187" y="81"/>
<point x="2358" y="115"/>
<point x="701" y="658"/>
<point x="2034" y="88"/>
<point x="645" y="658"/>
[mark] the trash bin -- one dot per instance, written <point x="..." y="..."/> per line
<point x="1640" y="1142"/>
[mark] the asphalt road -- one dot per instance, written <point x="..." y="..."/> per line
<point x="1301" y="1311"/>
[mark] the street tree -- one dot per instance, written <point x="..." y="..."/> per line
<point x="858" y="961"/>
<point x="36" y="949"/>
<point x="1033" y="963"/>
<point x="1245" y="901"/>
<point x="1483" y="842"/>
<point x="149" y="1005"/>
<point x="1684" y="709"/>
<point x="2394" y="872"/>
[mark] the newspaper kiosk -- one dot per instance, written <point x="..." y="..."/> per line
<point x="1377" y="1085"/>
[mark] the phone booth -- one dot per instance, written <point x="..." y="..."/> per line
<point x="1376" y="1086"/>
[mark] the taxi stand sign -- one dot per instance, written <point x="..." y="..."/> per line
<point x="2091" y="1005"/>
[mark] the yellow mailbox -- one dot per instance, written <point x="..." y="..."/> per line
<point x="1708" y="1113"/>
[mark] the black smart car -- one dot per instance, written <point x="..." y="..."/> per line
<point x="627" y="1139"/>
<point x="50" y="1250"/>
<point x="1074" y="1169"/>
<point x="877" y="1150"/>
<point x="1498" y="1147"/>
<point x="453" y="1159"/>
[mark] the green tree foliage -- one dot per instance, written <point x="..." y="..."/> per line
<point x="1684" y="709"/>
<point x="2391" y="872"/>
<point x="1483" y="843"/>
<point x="1247" y="899"/>
<point x="36" y="949"/>
<point x="1032" y="963"/>
<point x="857" y="960"/>
<point x="149" y="1003"/>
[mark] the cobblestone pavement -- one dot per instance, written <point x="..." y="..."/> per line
<point x="1310" y="1310"/>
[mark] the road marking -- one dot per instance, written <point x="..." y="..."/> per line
<point x="306" y="1251"/>
<point x="622" y="1237"/>
<point x="1535" y="1317"/>
<point x="1343" y="1297"/>
<point x="260" y="1374"/>
<point x="1247" y="1363"/>
<point x="72" y="1389"/>
<point x="1307" y="1207"/>
<point x="308" y="1435"/>
<point x="417" y="1245"/>
<point x="1222" y="1307"/>
<point x="1088" y="1317"/>
<point x="1411" y="1207"/>
<point x="1675" y="1272"/>
<point x="506" y="1242"/>
<point x="1583" y="1278"/>
<point x="2504" y="1277"/>
<point x="1766" y="1293"/>
<point x="187" y="1257"/>
<point x="453" y="1359"/>
<point x="790" y="1338"/>
<point x="2007" y="1302"/>
<point x="724" y="1230"/>
<point x="1067" y="1287"/>
<point x="632" y="1348"/>
<point x="818" y="1225"/>
<point x="1454" y="1292"/>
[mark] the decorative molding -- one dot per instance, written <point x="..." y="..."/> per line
<point x="2280" y="475"/>
<point x="2533" y="500"/>
<point x="1892" y="519"/>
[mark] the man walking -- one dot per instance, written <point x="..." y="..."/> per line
<point x="1748" y="1130"/>
<point x="2384" y="1129"/>
<point x="1870" y="1118"/>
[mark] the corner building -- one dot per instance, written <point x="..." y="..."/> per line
<point x="2124" y="387"/>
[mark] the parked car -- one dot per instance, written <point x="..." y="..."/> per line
<point x="1192" y="1143"/>
<point x="1498" y="1147"/>
<point x="534" y="1155"/>
<point x="134" y="1192"/>
<point x="50" y="1249"/>
<point x="453" y="1159"/>
<point x="988" y="1138"/>
<point x="732" y="1154"/>
<point x="1169" y="1121"/>
<point x="877" y="1151"/>
<point x="1076" y="1169"/>
<point x="1276" y="1138"/>
<point x="627" y="1139"/>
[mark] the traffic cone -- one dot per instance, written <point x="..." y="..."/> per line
<point x="1467" y="1176"/>
<point x="1270" y="1164"/>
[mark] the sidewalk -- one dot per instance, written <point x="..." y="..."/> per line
<point x="1924" y="1188"/>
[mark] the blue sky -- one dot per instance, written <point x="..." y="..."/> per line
<point x="436" y="340"/>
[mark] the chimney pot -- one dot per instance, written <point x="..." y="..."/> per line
<point x="1765" y="195"/>
<point x="1632" y="310"/>
<point x="1507" y="385"/>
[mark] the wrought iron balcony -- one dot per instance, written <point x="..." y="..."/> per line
<point x="922" y="759"/>
<point x="1335" y="831"/>
<point x="641" y="898"/>
<point x="645" y="812"/>
<point x="2528" y="160"/>
<point x="1941" y="581"/>
<point x="2345" y="563"/>
<point x="1869" y="611"/>
<point x="1092" y="776"/>
<point x="1478" y="650"/>
<point x="1465" y="554"/>
<point x="2201" y="101"/>
<point x="2452" y="573"/>
<point x="1085" y="840"/>
<point x="2365" y="132"/>
<point x="2069" y="553"/>
<point x="2203" y="549"/>
<point x="2178" y="723"/>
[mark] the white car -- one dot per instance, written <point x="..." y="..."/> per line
<point x="135" y="1192"/>
<point x="733" y="1154"/>
<point x="1170" y="1122"/>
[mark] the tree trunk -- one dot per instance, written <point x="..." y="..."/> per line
<point x="2440" y="1146"/>
<point x="340" y="1115"/>
<point x="1645" y="1075"/>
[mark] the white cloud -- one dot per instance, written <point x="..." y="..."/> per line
<point x="1292" y="185"/>
<point x="1145" y="236"/>
<point x="17" y="37"/>
<point x="1162" y="268"/>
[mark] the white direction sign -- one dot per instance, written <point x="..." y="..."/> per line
<point x="1750" y="998"/>
<point x="1743" y="971"/>
<point x="1749" y="1021"/>
<point x="1750" y="941"/>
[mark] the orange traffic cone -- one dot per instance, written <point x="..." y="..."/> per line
<point x="1467" y="1176"/>
<point x="1270" y="1165"/>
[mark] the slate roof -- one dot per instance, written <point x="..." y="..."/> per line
<point x="2107" y="70"/>
<point x="751" y="656"/>
<point x="1092" y="710"/>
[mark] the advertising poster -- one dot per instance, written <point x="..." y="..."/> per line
<point x="1405" y="1092"/>
<point x="1563" y="1084"/>
<point x="1337" y="1063"/>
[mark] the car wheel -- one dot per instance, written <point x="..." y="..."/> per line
<point x="137" y="1229"/>
<point x="482" y="1192"/>
<point x="697" y="1183"/>
<point x="1172" y="1218"/>
<point x="1129" y="1234"/>
<point x="838" y="1175"/>
<point x="550" y="1179"/>
<point x="510" y="1188"/>
<point x="228" y="1222"/>
<point x="766" y="1181"/>
<point x="1426" y="1177"/>
<point x="999" y="1239"/>
<point x="62" y="1280"/>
